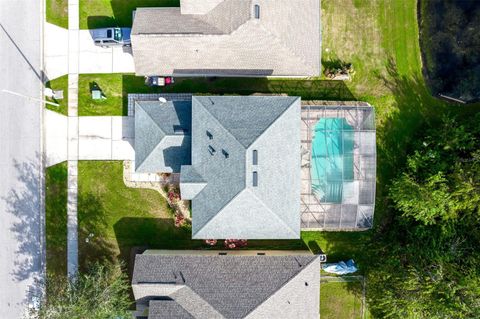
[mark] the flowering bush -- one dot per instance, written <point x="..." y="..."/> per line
<point x="211" y="242"/>
<point x="179" y="220"/>
<point x="235" y="243"/>
<point x="173" y="197"/>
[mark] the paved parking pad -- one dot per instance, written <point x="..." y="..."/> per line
<point x="89" y="58"/>
<point x="88" y="138"/>
<point x="105" y="138"/>
<point x="95" y="59"/>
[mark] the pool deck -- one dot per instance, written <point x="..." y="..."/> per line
<point x="354" y="212"/>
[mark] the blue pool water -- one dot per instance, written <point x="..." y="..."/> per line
<point x="332" y="158"/>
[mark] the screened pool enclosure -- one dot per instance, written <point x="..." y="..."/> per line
<point x="338" y="166"/>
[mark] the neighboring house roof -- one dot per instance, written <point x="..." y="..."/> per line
<point x="162" y="135"/>
<point x="224" y="38"/>
<point x="167" y="309"/>
<point x="226" y="132"/>
<point x="228" y="286"/>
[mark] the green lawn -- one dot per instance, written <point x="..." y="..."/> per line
<point x="60" y="83"/>
<point x="121" y="218"/>
<point x="110" y="13"/>
<point x="56" y="218"/>
<point x="116" y="102"/>
<point x="57" y="12"/>
<point x="111" y="86"/>
<point x="341" y="300"/>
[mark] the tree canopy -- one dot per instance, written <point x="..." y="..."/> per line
<point x="428" y="256"/>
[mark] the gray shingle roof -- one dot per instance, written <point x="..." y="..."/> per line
<point x="167" y="309"/>
<point x="227" y="39"/>
<point x="246" y="118"/>
<point x="234" y="286"/>
<point x="172" y="22"/>
<point x="229" y="206"/>
<point x="216" y="162"/>
<point x="160" y="144"/>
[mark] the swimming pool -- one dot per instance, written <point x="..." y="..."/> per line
<point x="332" y="158"/>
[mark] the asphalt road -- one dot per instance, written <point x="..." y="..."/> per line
<point x="21" y="243"/>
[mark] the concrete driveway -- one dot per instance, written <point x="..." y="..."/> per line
<point x="92" y="59"/>
<point x="99" y="137"/>
<point x="105" y="138"/>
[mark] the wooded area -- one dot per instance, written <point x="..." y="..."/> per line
<point x="427" y="252"/>
<point x="450" y="43"/>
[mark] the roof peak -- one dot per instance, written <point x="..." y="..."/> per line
<point x="246" y="118"/>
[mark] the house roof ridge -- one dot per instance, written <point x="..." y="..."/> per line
<point x="217" y="120"/>
<point x="138" y="165"/>
<point x="285" y="46"/>
<point x="188" y="290"/>
<point x="263" y="132"/>
<point x="304" y="267"/>
<point x="145" y="111"/>
<point x="269" y="210"/>
<point x="246" y="189"/>
<point x="215" y="215"/>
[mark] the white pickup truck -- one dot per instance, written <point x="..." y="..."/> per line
<point x="111" y="37"/>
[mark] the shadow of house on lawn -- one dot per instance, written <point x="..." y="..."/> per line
<point x="308" y="89"/>
<point x="151" y="233"/>
<point x="161" y="233"/>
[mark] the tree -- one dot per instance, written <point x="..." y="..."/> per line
<point x="428" y="256"/>
<point x="101" y="292"/>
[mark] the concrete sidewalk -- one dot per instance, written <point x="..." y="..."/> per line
<point x="72" y="138"/>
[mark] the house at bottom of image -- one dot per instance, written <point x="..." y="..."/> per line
<point x="261" y="167"/>
<point x="206" y="284"/>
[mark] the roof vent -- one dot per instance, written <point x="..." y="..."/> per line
<point x="255" y="179"/>
<point x="181" y="275"/>
<point x="162" y="100"/>
<point x="211" y="150"/>
<point x="210" y="136"/>
<point x="225" y="153"/>
<point x="257" y="11"/>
